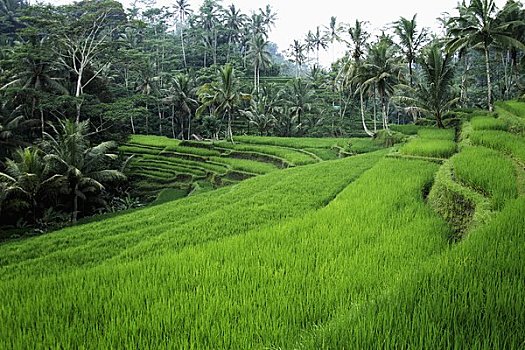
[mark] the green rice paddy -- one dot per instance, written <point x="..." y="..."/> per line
<point x="365" y="252"/>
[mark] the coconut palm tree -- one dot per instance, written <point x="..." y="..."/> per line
<point x="260" y="57"/>
<point x="183" y="10"/>
<point x="332" y="34"/>
<point x="434" y="94"/>
<point x="83" y="168"/>
<point x="222" y="96"/>
<point x="410" y="41"/>
<point x="181" y="95"/>
<point x="234" y="22"/>
<point x="296" y="52"/>
<point x="384" y="68"/>
<point x="355" y="72"/>
<point x="479" y="27"/>
<point x="27" y="175"/>
<point x="319" y="42"/>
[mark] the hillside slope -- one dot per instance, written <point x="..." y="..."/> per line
<point x="364" y="252"/>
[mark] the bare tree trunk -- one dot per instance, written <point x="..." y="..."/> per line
<point x="74" y="214"/>
<point x="368" y="132"/>
<point x="160" y="119"/>
<point x="42" y="122"/>
<point x="78" y="93"/>
<point x="173" y="121"/>
<point x="229" y="132"/>
<point x="182" y="44"/>
<point x="489" y="83"/>
<point x="132" y="124"/>
<point x="189" y="126"/>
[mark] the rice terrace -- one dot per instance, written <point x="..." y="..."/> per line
<point x="170" y="178"/>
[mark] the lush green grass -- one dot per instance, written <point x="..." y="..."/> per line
<point x="437" y="134"/>
<point x="431" y="147"/>
<point x="203" y="152"/>
<point x="488" y="123"/>
<point x="294" y="157"/>
<point x="502" y="141"/>
<point x="294" y="142"/>
<point x="362" y="145"/>
<point x="247" y="165"/>
<point x="325" y="153"/>
<point x="155" y="141"/>
<point x="469" y="297"/>
<point x="198" y="219"/>
<point x="408" y="129"/>
<point x="268" y="288"/>
<point x="170" y="194"/>
<point x="488" y="172"/>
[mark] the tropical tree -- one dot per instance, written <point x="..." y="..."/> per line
<point x="434" y="94"/>
<point x="299" y="98"/>
<point x="26" y="174"/>
<point x="84" y="169"/>
<point x="384" y="69"/>
<point x="181" y="96"/>
<point x="319" y="42"/>
<point x="222" y="96"/>
<point x="479" y="27"/>
<point x="296" y="52"/>
<point x="260" y="57"/>
<point x="183" y="10"/>
<point x="234" y="21"/>
<point x="410" y="41"/>
<point x="355" y="72"/>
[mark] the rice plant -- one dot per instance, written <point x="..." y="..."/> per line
<point x="488" y="172"/>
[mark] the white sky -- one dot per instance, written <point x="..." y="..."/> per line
<point x="296" y="17"/>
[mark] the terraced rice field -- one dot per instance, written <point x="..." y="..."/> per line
<point x="190" y="167"/>
<point x="365" y="252"/>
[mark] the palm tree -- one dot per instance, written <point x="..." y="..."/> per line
<point x="410" y="40"/>
<point x="355" y="71"/>
<point x="296" y="52"/>
<point x="260" y="56"/>
<point x="384" y="68"/>
<point x="332" y="33"/>
<point x="319" y="42"/>
<point x="479" y="27"/>
<point x="84" y="169"/>
<point x="209" y="20"/>
<point x="268" y="16"/>
<point x="260" y="115"/>
<point x="36" y="76"/>
<point x="181" y="94"/>
<point x="234" y="21"/>
<point x="27" y="173"/>
<point x="12" y="124"/>
<point x="182" y="7"/>
<point x="434" y="95"/>
<point x="221" y="96"/>
<point x="299" y="97"/>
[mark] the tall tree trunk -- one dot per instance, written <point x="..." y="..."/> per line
<point x="160" y="119"/>
<point x="411" y="73"/>
<point x="132" y="124"/>
<point x="42" y="121"/>
<point x="173" y="121"/>
<point x="489" y="83"/>
<point x="439" y="121"/>
<point x="189" y="126"/>
<point x="74" y="214"/>
<point x="229" y="48"/>
<point x="147" y="120"/>
<point x="361" y="100"/>
<point x="375" y="110"/>
<point x="230" y="132"/>
<point x="182" y="45"/>
<point x="78" y="93"/>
